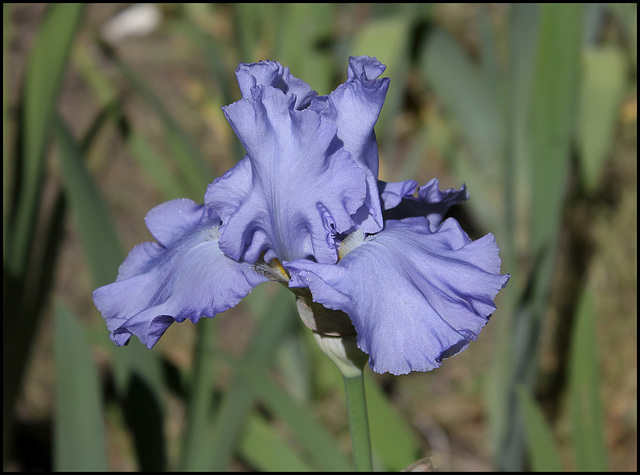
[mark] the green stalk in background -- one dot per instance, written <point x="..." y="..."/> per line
<point x="358" y="422"/>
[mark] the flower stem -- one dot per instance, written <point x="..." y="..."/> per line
<point x="358" y="422"/>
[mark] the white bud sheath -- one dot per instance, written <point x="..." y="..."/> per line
<point x="344" y="352"/>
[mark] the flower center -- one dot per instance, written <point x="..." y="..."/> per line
<point x="273" y="270"/>
<point x="349" y="243"/>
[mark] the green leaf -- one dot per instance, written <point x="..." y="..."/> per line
<point x="7" y="186"/>
<point x="45" y="69"/>
<point x="267" y="450"/>
<point x="553" y="114"/>
<point x="154" y="164"/>
<point x="600" y="96"/>
<point x="460" y="85"/>
<point x="200" y="415"/>
<point x="587" y="424"/>
<point x="79" y="442"/>
<point x="387" y="39"/>
<point x="319" y="444"/>
<point x="97" y="232"/>
<point x="392" y="438"/>
<point x="543" y="451"/>
<point x="137" y="371"/>
<point x="189" y="159"/>
<point x="216" y="452"/>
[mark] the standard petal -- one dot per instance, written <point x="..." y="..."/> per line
<point x="354" y="107"/>
<point x="293" y="192"/>
<point x="184" y="276"/>
<point x="272" y="73"/>
<point x="431" y="203"/>
<point x="414" y="296"/>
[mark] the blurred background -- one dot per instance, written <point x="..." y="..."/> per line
<point x="110" y="110"/>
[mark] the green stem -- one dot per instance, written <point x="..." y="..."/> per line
<point x="358" y="422"/>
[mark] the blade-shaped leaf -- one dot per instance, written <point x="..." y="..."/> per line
<point x="459" y="84"/>
<point x="553" y="112"/>
<point x="79" y="442"/>
<point x="392" y="439"/>
<point x="187" y="156"/>
<point x="45" y="69"/>
<point x="587" y="424"/>
<point x="216" y="452"/>
<point x="267" y="450"/>
<point x="319" y="444"/>
<point x="97" y="231"/>
<point x="600" y="95"/>
<point x="138" y="372"/>
<point x="543" y="450"/>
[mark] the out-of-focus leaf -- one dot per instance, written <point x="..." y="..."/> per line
<point x="79" y="442"/>
<point x="212" y="50"/>
<point x="550" y="132"/>
<point x="97" y="231"/>
<point x="523" y="39"/>
<point x="387" y="39"/>
<point x="253" y="23"/>
<point x="202" y="380"/>
<point x="45" y="69"/>
<point x="553" y="114"/>
<point x="461" y="87"/>
<point x="22" y="281"/>
<point x="627" y="15"/>
<point x="267" y="450"/>
<point x="189" y="159"/>
<point x="154" y="165"/>
<point x="216" y="452"/>
<point x="137" y="371"/>
<point x="543" y="450"/>
<point x="587" y="424"/>
<point x="303" y="26"/>
<point x="392" y="440"/>
<point x="293" y="360"/>
<point x="7" y="186"/>
<point x="600" y="95"/>
<point x="319" y="444"/>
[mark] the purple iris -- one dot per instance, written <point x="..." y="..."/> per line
<point x="305" y="207"/>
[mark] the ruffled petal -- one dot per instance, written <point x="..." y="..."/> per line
<point x="431" y="203"/>
<point x="393" y="193"/>
<point x="354" y="107"/>
<point x="414" y="296"/>
<point x="293" y="191"/>
<point x="183" y="275"/>
<point x="272" y="73"/>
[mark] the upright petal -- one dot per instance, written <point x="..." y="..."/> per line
<point x="272" y="73"/>
<point x="293" y="191"/>
<point x="431" y="203"/>
<point x="183" y="275"/>
<point x="414" y="296"/>
<point x="354" y="107"/>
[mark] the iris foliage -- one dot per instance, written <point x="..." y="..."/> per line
<point x="524" y="108"/>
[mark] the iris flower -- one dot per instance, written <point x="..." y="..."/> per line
<point x="305" y="207"/>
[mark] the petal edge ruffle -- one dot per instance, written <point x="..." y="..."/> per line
<point x="158" y="285"/>
<point x="414" y="296"/>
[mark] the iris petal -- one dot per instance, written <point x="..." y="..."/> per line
<point x="393" y="193"/>
<point x="415" y="296"/>
<point x="354" y="107"/>
<point x="293" y="191"/>
<point x="272" y="73"/>
<point x="183" y="275"/>
<point x="431" y="203"/>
